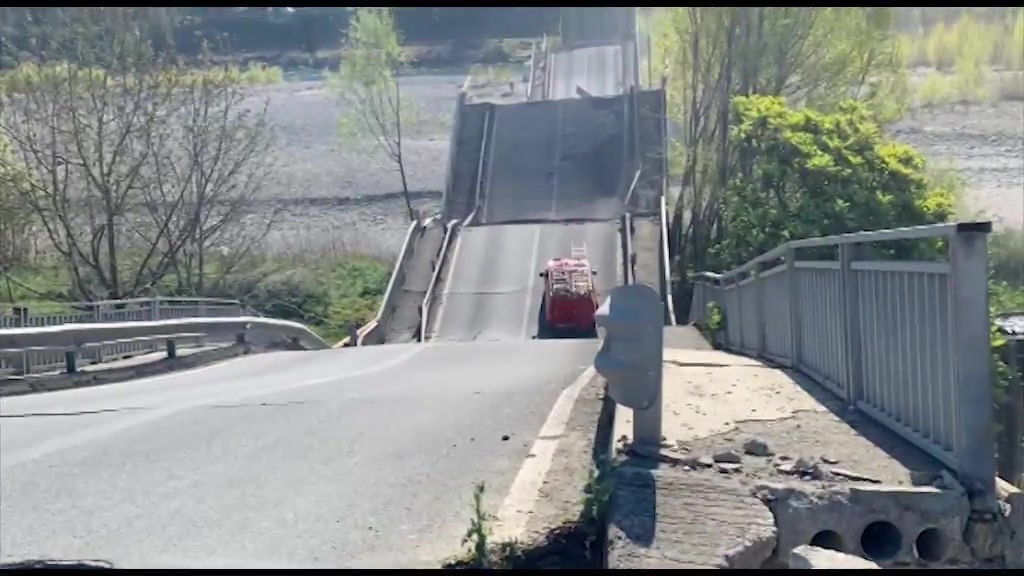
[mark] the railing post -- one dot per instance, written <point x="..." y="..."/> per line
<point x="738" y="345"/>
<point x="172" y="349"/>
<point x="973" y="398"/>
<point x="793" y="296"/>
<point x="24" y="366"/>
<point x="759" y="311"/>
<point x="854" y="385"/>
<point x="71" y="361"/>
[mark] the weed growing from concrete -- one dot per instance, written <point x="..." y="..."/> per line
<point x="479" y="531"/>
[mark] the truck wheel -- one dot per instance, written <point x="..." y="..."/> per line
<point x="542" y="329"/>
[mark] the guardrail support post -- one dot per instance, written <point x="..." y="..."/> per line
<point x="24" y="362"/>
<point x="854" y="385"/>
<point x="630" y="358"/>
<point x="759" y="294"/>
<point x="968" y="259"/>
<point x="240" y="338"/>
<point x="71" y="361"/>
<point x="172" y="349"/>
<point x="793" y="293"/>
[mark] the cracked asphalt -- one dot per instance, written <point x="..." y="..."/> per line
<point x="338" y="458"/>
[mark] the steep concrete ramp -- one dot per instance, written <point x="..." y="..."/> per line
<point x="405" y="320"/>
<point x="494" y="292"/>
<point x="556" y="161"/>
<point x="594" y="71"/>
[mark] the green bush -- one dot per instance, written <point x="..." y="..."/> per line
<point x="803" y="173"/>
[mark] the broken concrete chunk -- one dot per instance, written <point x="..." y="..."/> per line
<point x="706" y="461"/>
<point x="727" y="468"/>
<point x="756" y="447"/>
<point x="923" y="477"/>
<point x="850" y="475"/>
<point x="829" y="460"/>
<point x="947" y="481"/>
<point x="728" y="456"/>
<point x="813" y="558"/>
<point x="806" y="468"/>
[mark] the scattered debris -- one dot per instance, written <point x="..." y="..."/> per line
<point x="946" y="481"/>
<point x="808" y="557"/>
<point x="757" y="447"/>
<point x="805" y="468"/>
<point x="829" y="460"/>
<point x="504" y="437"/>
<point x="706" y="461"/>
<point x="728" y="457"/>
<point x="849" y="475"/>
<point x="729" y="468"/>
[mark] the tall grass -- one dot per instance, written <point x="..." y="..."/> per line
<point x="993" y="43"/>
<point x="30" y="75"/>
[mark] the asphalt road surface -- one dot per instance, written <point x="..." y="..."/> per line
<point x="340" y="458"/>
<point x="555" y="179"/>
<point x="494" y="292"/>
<point x="556" y="161"/>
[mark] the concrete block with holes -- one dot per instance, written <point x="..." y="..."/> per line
<point x="889" y="525"/>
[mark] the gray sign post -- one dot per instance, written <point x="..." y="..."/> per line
<point x="630" y="358"/>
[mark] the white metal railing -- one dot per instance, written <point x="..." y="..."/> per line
<point x="427" y="306"/>
<point x="905" y="342"/>
<point x="73" y="341"/>
<point x="103" y="312"/>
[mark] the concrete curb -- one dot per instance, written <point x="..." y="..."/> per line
<point x="49" y="383"/>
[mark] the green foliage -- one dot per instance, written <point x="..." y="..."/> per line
<point x="479" y="532"/>
<point x="329" y="296"/>
<point x="812" y="174"/>
<point x="15" y="219"/>
<point x="376" y="114"/>
<point x="997" y="41"/>
<point x="31" y="76"/>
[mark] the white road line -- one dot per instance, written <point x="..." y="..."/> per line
<point x="436" y="328"/>
<point x="531" y="284"/>
<point x="525" y="491"/>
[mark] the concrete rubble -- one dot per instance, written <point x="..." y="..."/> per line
<point x="808" y="557"/>
<point x="716" y="496"/>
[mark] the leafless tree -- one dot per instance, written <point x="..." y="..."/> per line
<point x="202" y="192"/>
<point x="376" y="112"/>
<point x="137" y="170"/>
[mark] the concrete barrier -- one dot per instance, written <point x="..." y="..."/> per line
<point x="460" y="197"/>
<point x="374" y="334"/>
<point x="453" y="145"/>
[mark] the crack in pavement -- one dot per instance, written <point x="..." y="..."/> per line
<point x="682" y="364"/>
<point x="260" y="404"/>
<point x="145" y="408"/>
<point x="77" y="413"/>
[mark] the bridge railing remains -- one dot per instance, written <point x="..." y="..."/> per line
<point x="105" y="312"/>
<point x="905" y="342"/>
<point x="73" y="341"/>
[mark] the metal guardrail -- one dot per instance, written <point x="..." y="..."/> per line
<point x="665" y="264"/>
<point x="906" y="343"/>
<point x="373" y="331"/>
<point x="70" y="340"/>
<point x="107" y="311"/>
<point x="428" y="299"/>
